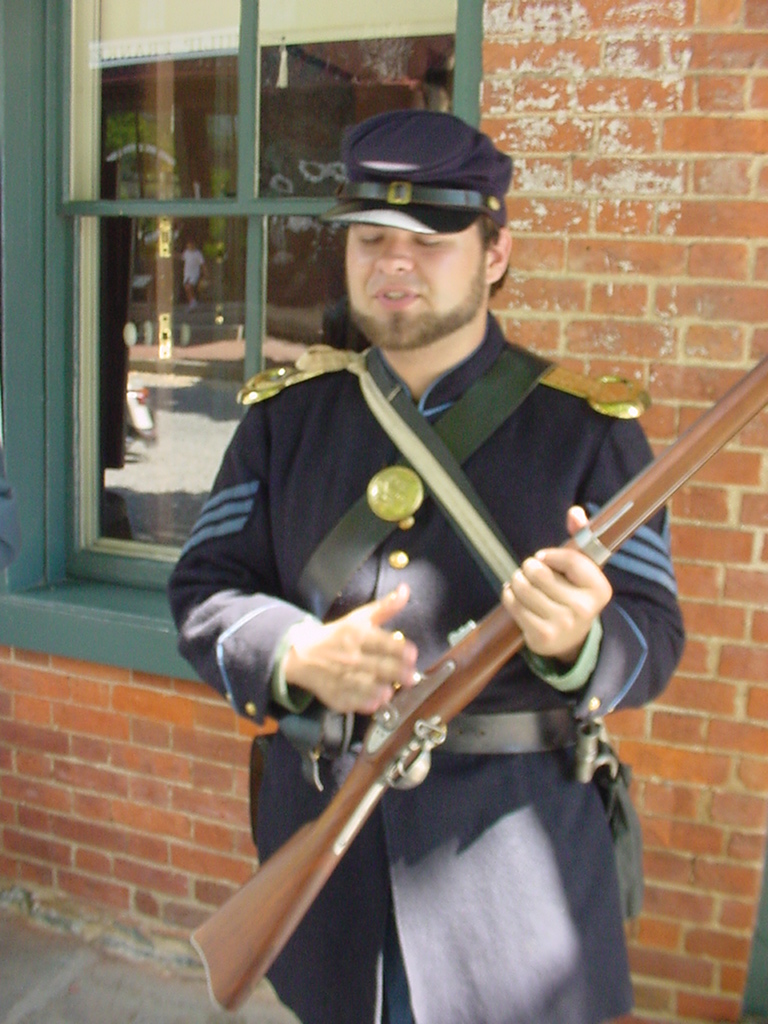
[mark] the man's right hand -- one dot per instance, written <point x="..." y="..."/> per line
<point x="353" y="664"/>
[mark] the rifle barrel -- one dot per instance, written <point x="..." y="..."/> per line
<point x="241" y="940"/>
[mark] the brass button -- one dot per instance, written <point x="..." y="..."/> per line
<point x="594" y="703"/>
<point x="398" y="559"/>
<point x="250" y="709"/>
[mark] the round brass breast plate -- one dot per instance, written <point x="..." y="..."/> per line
<point x="395" y="493"/>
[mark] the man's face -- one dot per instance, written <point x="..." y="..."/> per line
<point x="407" y="290"/>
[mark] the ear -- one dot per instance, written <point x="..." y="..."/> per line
<point x="497" y="257"/>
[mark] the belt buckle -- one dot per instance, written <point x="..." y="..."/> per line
<point x="399" y="193"/>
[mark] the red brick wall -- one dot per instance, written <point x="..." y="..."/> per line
<point x="640" y="213"/>
<point x="123" y="790"/>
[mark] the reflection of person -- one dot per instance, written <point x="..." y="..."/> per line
<point x="489" y="892"/>
<point x="10" y="534"/>
<point x="193" y="263"/>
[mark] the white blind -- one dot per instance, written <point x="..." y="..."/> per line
<point x="148" y="30"/>
<point x="307" y="21"/>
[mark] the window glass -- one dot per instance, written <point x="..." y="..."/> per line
<point x="163" y="341"/>
<point x="156" y="81"/>
<point x="311" y="92"/>
<point x="172" y="313"/>
<point x="320" y="72"/>
<point x="305" y="284"/>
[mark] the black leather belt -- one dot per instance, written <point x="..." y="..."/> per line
<point x="325" y="733"/>
<point x="522" y="732"/>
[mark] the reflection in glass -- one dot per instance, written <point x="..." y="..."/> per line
<point x="159" y="84"/>
<point x="171" y="362"/>
<point x="305" y="283"/>
<point x="169" y="129"/>
<point x="311" y="92"/>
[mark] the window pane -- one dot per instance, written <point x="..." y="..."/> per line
<point x="172" y="308"/>
<point x="311" y="91"/>
<point x="305" y="282"/>
<point x="158" y="84"/>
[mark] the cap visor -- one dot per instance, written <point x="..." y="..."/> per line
<point x="424" y="220"/>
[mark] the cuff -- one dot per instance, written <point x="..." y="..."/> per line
<point x="576" y="675"/>
<point x="292" y="698"/>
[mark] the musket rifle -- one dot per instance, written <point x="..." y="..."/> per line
<point x="242" y="939"/>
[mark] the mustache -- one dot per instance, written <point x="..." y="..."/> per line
<point x="400" y="284"/>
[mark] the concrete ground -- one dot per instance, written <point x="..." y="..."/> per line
<point x="58" y="971"/>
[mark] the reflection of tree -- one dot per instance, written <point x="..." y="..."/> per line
<point x="122" y="130"/>
<point x="171" y="125"/>
<point x="388" y="59"/>
<point x="221" y="181"/>
<point x="130" y="142"/>
<point x="359" y="61"/>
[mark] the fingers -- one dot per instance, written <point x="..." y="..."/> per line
<point x="390" y="655"/>
<point x="353" y="663"/>
<point x="554" y="619"/>
<point x="386" y="607"/>
<point x="555" y="596"/>
<point x="576" y="519"/>
<point x="559" y="578"/>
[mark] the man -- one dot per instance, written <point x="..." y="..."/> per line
<point x="193" y="269"/>
<point x="488" y="894"/>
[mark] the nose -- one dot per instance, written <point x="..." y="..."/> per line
<point x="396" y="253"/>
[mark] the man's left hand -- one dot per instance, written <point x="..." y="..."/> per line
<point x="555" y="596"/>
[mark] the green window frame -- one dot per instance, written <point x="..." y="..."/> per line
<point x="104" y="608"/>
<point x="122" y="618"/>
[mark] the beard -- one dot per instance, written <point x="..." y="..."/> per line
<point x="401" y="332"/>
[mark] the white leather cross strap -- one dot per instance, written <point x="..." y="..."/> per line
<point x="450" y="496"/>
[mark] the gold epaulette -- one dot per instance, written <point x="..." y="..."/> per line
<point x="611" y="396"/>
<point x="317" y="360"/>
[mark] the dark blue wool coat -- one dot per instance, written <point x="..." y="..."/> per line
<point x="500" y="868"/>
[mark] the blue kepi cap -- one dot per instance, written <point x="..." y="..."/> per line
<point x="423" y="171"/>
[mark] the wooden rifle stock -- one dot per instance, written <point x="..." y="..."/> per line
<point x="241" y="940"/>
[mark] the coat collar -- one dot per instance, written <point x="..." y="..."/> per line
<point x="449" y="387"/>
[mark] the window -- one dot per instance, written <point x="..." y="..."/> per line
<point x="155" y="122"/>
<point x="198" y="165"/>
